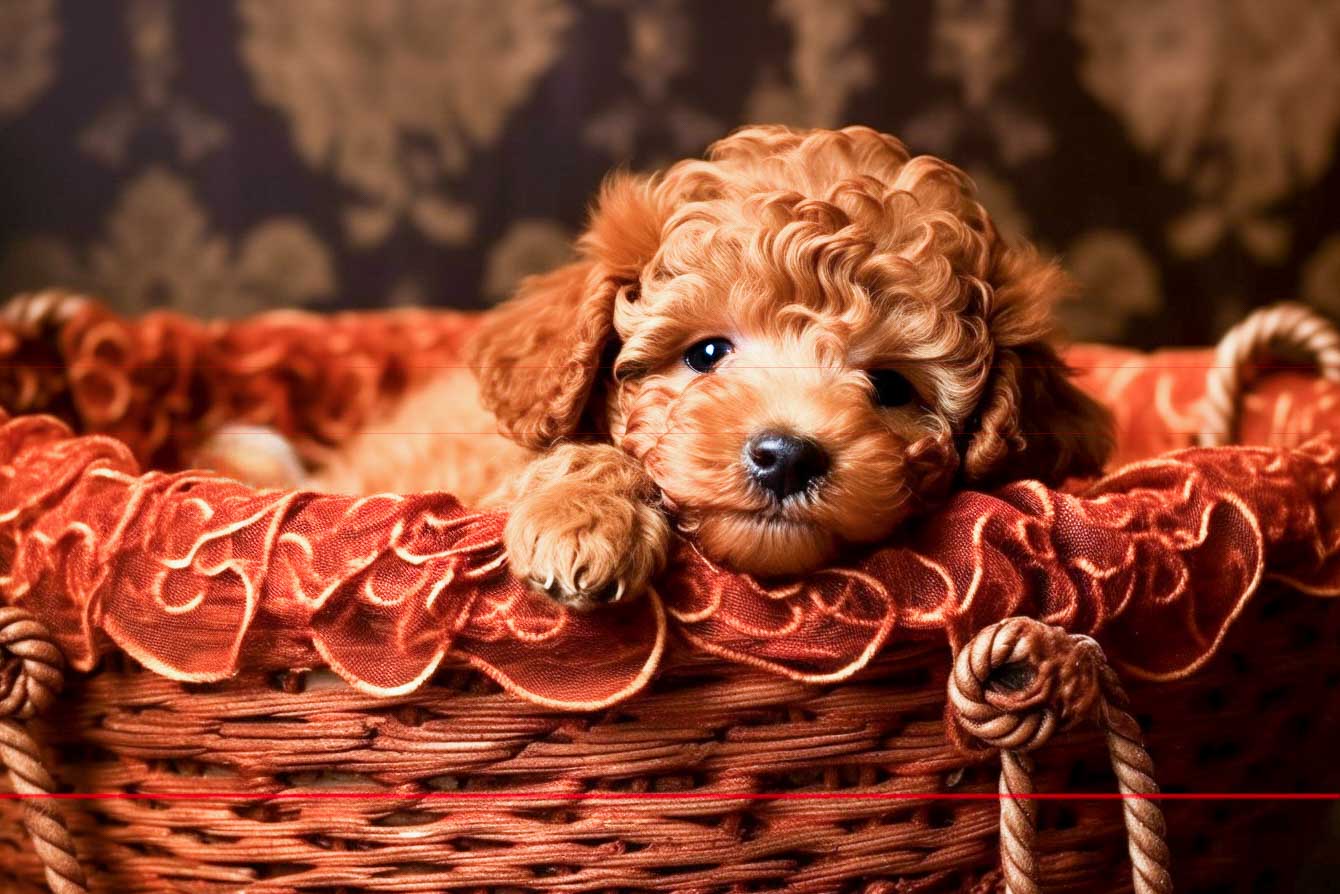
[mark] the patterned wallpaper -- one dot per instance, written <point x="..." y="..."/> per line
<point x="235" y="155"/>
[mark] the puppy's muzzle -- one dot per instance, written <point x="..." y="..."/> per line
<point x="783" y="464"/>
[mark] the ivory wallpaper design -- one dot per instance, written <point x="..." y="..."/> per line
<point x="226" y="157"/>
<point x="28" y="34"/>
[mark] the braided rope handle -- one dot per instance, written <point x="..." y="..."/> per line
<point x="1281" y="326"/>
<point x="30" y="678"/>
<point x="40" y="311"/>
<point x="1014" y="684"/>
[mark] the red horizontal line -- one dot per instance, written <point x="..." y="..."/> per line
<point x="1161" y="367"/>
<point x="718" y="431"/>
<point x="671" y="796"/>
<point x="1179" y="433"/>
<point x="479" y="434"/>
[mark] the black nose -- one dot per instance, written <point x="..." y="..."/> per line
<point x="783" y="464"/>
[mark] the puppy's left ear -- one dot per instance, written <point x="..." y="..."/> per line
<point x="538" y="357"/>
<point x="1033" y="421"/>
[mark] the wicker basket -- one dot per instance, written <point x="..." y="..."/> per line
<point x="466" y="787"/>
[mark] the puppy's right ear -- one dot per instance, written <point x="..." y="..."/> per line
<point x="538" y="356"/>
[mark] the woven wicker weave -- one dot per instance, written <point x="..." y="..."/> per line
<point x="475" y="787"/>
<point x="1247" y="722"/>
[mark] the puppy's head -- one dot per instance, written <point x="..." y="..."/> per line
<point x="804" y="339"/>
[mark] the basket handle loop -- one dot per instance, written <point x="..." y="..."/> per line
<point x="44" y="311"/>
<point x="30" y="677"/>
<point x="1280" y="326"/>
<point x="1014" y="684"/>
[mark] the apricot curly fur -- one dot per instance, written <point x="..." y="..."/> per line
<point x="820" y="255"/>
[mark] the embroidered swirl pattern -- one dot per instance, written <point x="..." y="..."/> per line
<point x="198" y="576"/>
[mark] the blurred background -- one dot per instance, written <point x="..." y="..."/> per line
<point x="225" y="157"/>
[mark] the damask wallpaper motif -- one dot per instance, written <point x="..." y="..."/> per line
<point x="224" y="157"/>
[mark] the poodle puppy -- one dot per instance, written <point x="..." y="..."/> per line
<point x="784" y="350"/>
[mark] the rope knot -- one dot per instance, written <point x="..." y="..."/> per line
<point x="1018" y="681"/>
<point x="30" y="664"/>
<point x="38" y="313"/>
<point x="30" y="677"/>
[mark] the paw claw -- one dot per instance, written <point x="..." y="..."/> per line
<point x="581" y="598"/>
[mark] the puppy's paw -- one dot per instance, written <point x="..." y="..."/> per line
<point x="585" y="546"/>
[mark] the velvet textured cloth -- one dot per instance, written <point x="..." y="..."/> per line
<point x="198" y="576"/>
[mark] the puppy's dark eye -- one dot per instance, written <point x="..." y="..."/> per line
<point x="891" y="388"/>
<point x="706" y="354"/>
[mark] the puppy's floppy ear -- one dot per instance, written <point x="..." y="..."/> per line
<point x="1032" y="422"/>
<point x="538" y="356"/>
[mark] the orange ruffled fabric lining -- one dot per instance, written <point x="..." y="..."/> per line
<point x="198" y="576"/>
